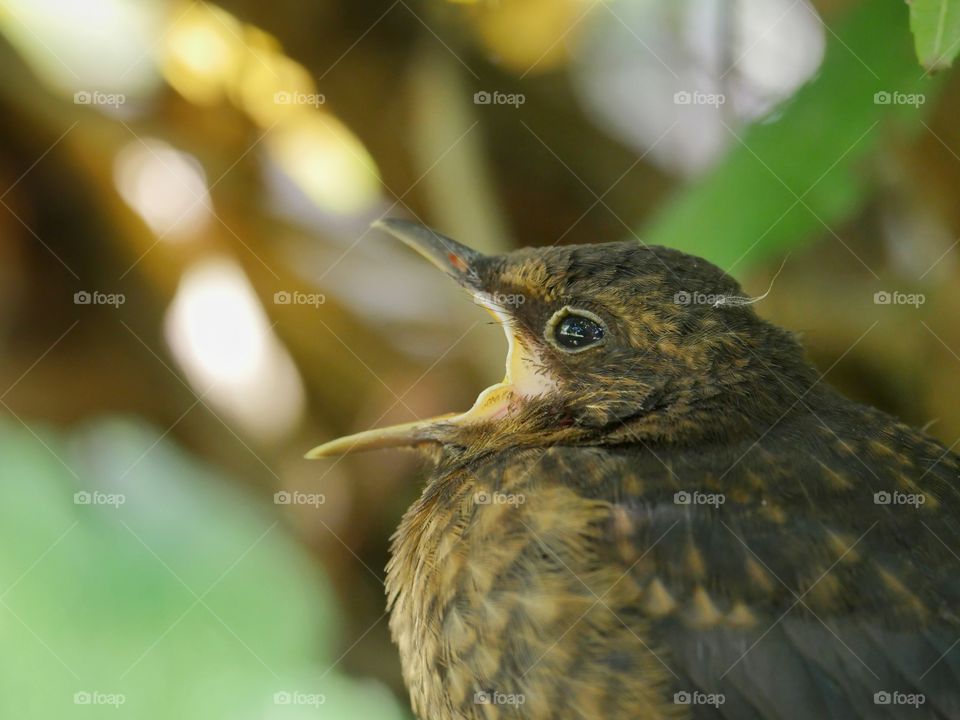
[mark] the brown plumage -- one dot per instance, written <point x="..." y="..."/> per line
<point x="663" y="513"/>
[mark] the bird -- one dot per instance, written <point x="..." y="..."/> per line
<point x="664" y="511"/>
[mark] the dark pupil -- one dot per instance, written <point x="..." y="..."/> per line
<point x="576" y="331"/>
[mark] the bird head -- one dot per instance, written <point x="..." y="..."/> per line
<point x="607" y="343"/>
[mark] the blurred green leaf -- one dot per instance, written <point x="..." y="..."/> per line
<point x="936" y="32"/>
<point x="179" y="599"/>
<point x="798" y="172"/>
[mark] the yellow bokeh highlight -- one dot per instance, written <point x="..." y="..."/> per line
<point x="530" y="35"/>
<point x="327" y="161"/>
<point x="274" y="87"/>
<point x="202" y="51"/>
<point x="210" y="57"/>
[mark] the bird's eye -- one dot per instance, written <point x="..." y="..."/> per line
<point x="574" y="330"/>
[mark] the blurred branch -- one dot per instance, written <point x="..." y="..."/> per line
<point x="459" y="190"/>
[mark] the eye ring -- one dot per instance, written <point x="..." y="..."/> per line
<point x="554" y="324"/>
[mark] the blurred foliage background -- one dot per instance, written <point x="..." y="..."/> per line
<point x="191" y="297"/>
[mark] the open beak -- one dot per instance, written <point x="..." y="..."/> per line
<point x="523" y="377"/>
<point x="456" y="260"/>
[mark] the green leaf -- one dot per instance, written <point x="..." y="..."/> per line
<point x="183" y="600"/>
<point x="800" y="172"/>
<point x="936" y="32"/>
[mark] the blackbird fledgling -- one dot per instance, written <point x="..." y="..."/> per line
<point x="662" y="512"/>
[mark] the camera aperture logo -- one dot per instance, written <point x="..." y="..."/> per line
<point x="885" y="297"/>
<point x="686" y="497"/>
<point x="95" y="497"/>
<point x="899" y="498"/>
<point x="696" y="697"/>
<point x="296" y="697"/>
<point x="494" y="697"/>
<point x="84" y="297"/>
<point x="284" y="297"/>
<point x="95" y="97"/>
<point x="284" y="497"/>
<point x="287" y="97"/>
<point x="484" y="97"/>
<point x="696" y="97"/>
<point x="95" y="697"/>
<point x="486" y="497"/>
